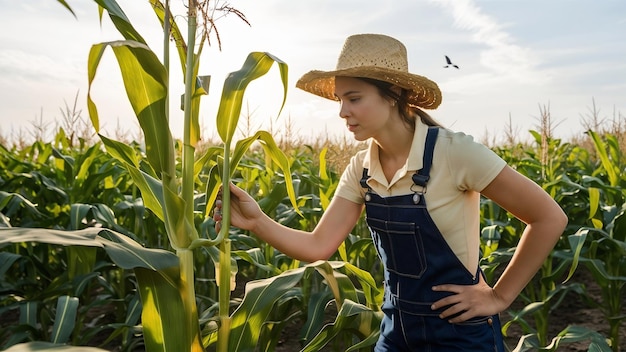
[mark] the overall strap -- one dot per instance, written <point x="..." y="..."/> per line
<point x="422" y="176"/>
<point x="364" y="178"/>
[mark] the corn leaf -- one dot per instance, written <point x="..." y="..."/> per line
<point x="212" y="188"/>
<point x="209" y="156"/>
<point x="278" y="157"/>
<point x="619" y="227"/>
<point x="81" y="260"/>
<point x="65" y="319"/>
<point x="271" y="150"/>
<point x="157" y="273"/>
<point x="124" y="252"/>
<point x="120" y="21"/>
<point x="86" y="161"/>
<point x="121" y="151"/>
<point x="11" y="202"/>
<point x="315" y="314"/>
<point x="163" y="312"/>
<point x="340" y="284"/>
<point x="77" y="213"/>
<point x="351" y="315"/>
<point x="179" y="230"/>
<point x="145" y="80"/>
<point x="67" y="6"/>
<point x="256" y="65"/>
<point x="255" y="257"/>
<point x="570" y="334"/>
<point x="325" y="195"/>
<point x="610" y="168"/>
<point x="181" y="46"/>
<point x="247" y="321"/>
<point x="199" y="89"/>
<point x="47" y="346"/>
<point x="6" y="262"/>
<point x="579" y="333"/>
<point x="28" y="313"/>
<point x="150" y="187"/>
<point x="86" y="237"/>
<point x="594" y="201"/>
<point x="373" y="294"/>
<point x="577" y="243"/>
<point x="151" y="191"/>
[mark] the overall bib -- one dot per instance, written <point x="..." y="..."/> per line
<point x="416" y="257"/>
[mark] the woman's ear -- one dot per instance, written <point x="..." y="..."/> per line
<point x="397" y="92"/>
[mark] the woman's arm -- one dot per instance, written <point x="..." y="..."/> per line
<point x="334" y="226"/>
<point x="545" y="222"/>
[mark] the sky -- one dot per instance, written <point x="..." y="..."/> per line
<point x="517" y="58"/>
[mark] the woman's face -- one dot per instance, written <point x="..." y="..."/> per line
<point x="366" y="112"/>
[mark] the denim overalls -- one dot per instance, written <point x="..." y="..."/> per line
<point x="416" y="257"/>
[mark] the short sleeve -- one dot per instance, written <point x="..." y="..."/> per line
<point x="349" y="186"/>
<point x="472" y="164"/>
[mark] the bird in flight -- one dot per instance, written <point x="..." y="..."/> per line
<point x="449" y="63"/>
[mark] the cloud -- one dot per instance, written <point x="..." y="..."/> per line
<point x="20" y="65"/>
<point x="502" y="55"/>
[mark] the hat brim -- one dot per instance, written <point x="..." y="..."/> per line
<point x="423" y="92"/>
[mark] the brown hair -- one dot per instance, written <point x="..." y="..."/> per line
<point x="407" y="112"/>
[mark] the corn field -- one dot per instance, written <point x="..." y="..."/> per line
<point x="64" y="293"/>
<point x="110" y="245"/>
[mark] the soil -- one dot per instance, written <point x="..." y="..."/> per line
<point x="572" y="311"/>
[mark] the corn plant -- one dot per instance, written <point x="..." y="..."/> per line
<point x="149" y="266"/>
<point x="285" y="290"/>
<point x="571" y="334"/>
<point x="41" y="188"/>
<point x="357" y="319"/>
<point x="500" y="233"/>
<point x="601" y="245"/>
<point x="169" y="313"/>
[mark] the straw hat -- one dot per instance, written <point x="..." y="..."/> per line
<point x="374" y="56"/>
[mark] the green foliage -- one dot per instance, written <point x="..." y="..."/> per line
<point x="568" y="335"/>
<point x="251" y="317"/>
<point x="24" y="289"/>
<point x="34" y="276"/>
<point x="88" y="237"/>
<point x="169" y="311"/>
<point x="591" y="193"/>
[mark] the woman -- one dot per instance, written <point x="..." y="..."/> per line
<point x="420" y="186"/>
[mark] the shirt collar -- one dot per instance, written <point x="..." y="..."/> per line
<point x="414" y="161"/>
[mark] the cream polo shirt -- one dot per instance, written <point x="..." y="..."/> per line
<point x="461" y="168"/>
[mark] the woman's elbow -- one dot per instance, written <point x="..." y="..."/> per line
<point x="311" y="254"/>
<point x="563" y="218"/>
<point x="559" y="221"/>
<point x="324" y="254"/>
<point x="320" y="253"/>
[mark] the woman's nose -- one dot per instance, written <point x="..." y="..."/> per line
<point x="343" y="111"/>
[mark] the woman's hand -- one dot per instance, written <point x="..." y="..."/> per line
<point x="244" y="210"/>
<point x="470" y="301"/>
